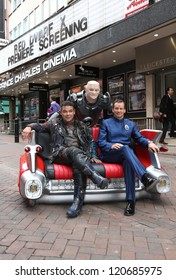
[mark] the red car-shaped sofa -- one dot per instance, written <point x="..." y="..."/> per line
<point x="43" y="182"/>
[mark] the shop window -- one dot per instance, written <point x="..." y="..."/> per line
<point x="16" y="3"/>
<point x="15" y="33"/>
<point x="45" y="9"/>
<point x="31" y="20"/>
<point x="38" y="15"/>
<point x="136" y="92"/>
<point x="53" y="7"/>
<point x="163" y="81"/>
<point x="116" y="87"/>
<point x="31" y="108"/>
<point x="25" y="24"/>
<point x="19" y="29"/>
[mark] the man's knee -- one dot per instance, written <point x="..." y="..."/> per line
<point x="72" y="151"/>
<point x="77" y="156"/>
<point x="126" y="149"/>
<point x="127" y="152"/>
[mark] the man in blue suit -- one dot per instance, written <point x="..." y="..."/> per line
<point x="114" y="140"/>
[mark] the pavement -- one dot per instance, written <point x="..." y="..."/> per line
<point x="101" y="232"/>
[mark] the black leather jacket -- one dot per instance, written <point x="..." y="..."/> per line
<point x="57" y="130"/>
<point x="93" y="110"/>
<point x="167" y="107"/>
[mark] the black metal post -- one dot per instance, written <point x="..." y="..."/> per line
<point x="16" y="130"/>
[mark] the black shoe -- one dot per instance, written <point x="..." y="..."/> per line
<point x="130" y="208"/>
<point x="172" y="135"/>
<point x="163" y="142"/>
<point x="75" y="208"/>
<point x="148" y="182"/>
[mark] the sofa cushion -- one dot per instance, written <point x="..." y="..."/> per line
<point x="63" y="172"/>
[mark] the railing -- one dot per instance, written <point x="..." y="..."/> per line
<point x="8" y="127"/>
<point x="143" y="123"/>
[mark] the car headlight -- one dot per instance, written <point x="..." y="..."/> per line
<point x="163" y="184"/>
<point x="33" y="189"/>
<point x="162" y="179"/>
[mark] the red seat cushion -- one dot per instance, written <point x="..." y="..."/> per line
<point x="113" y="170"/>
<point x="63" y="172"/>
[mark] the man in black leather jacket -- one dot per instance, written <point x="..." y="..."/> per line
<point x="72" y="144"/>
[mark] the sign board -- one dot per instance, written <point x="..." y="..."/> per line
<point x="134" y="6"/>
<point x="156" y="56"/>
<point x="69" y="25"/>
<point x="86" y="71"/>
<point x="38" y="87"/>
<point x="55" y="61"/>
<point x="3" y="42"/>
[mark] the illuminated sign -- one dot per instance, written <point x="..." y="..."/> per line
<point x="54" y="61"/>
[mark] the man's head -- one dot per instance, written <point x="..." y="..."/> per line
<point x="92" y="91"/>
<point x="52" y="98"/>
<point x="118" y="108"/>
<point x="67" y="111"/>
<point x="170" y="91"/>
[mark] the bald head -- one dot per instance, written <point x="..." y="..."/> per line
<point x="92" y="91"/>
<point x="93" y="83"/>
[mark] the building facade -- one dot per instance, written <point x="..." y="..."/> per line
<point x="60" y="50"/>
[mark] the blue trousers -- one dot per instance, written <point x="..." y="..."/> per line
<point x="131" y="166"/>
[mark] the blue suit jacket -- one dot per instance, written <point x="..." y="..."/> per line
<point x="121" y="131"/>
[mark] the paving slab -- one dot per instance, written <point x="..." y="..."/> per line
<point x="101" y="232"/>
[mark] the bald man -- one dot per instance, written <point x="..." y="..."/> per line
<point x="90" y="102"/>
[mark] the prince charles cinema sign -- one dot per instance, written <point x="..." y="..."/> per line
<point x="43" y="66"/>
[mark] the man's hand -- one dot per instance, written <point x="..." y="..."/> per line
<point x="26" y="133"/>
<point x="96" y="160"/>
<point x="116" y="146"/>
<point x="153" y="148"/>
